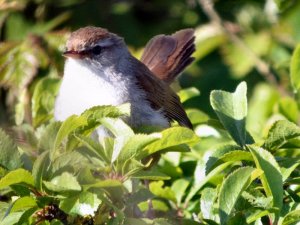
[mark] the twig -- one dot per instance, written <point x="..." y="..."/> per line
<point x="262" y="67"/>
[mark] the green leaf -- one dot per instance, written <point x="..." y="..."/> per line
<point x="156" y="187"/>
<point x="288" y="107"/>
<point x="271" y="178"/>
<point x="196" y="116"/>
<point x="20" y="107"/>
<point x="43" y="100"/>
<point x="40" y="169"/>
<point x="94" y="146"/>
<point x="10" y="157"/>
<point x="188" y="93"/>
<point x="84" y="204"/>
<point x="287" y="166"/>
<point x="48" y="136"/>
<point x="121" y="131"/>
<point x="264" y="97"/>
<point x="232" y="156"/>
<point x="157" y="205"/>
<point x="28" y="57"/>
<point x="141" y="195"/>
<point x="136" y="144"/>
<point x="179" y="187"/>
<point x="232" y="188"/>
<point x="283" y="4"/>
<point x="231" y="108"/>
<point x="256" y="215"/>
<point x="96" y="113"/>
<point x="23" y="203"/>
<point x="103" y="184"/>
<point x="117" y="126"/>
<point x="295" y="69"/>
<point x="130" y="221"/>
<point x="280" y="132"/>
<point x="207" y="202"/>
<point x="171" y="137"/>
<point x="19" y="176"/>
<point x="291" y="218"/>
<point x="152" y="174"/>
<point x="196" y="187"/>
<point x="11" y="218"/>
<point x="63" y="183"/>
<point x="67" y="127"/>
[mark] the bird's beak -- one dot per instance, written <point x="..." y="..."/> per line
<point x="74" y="54"/>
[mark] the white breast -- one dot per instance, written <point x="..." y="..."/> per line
<point x="82" y="88"/>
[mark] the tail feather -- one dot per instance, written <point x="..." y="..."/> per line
<point x="168" y="55"/>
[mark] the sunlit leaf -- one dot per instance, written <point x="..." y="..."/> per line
<point x="288" y="107"/>
<point x="172" y="137"/>
<point x="63" y="183"/>
<point x="291" y="218"/>
<point x="232" y="188"/>
<point x="23" y="203"/>
<point x="165" y="192"/>
<point x="19" y="176"/>
<point x="281" y="132"/>
<point x="231" y="108"/>
<point x="188" y="93"/>
<point x="84" y="204"/>
<point x="295" y="69"/>
<point x="179" y="187"/>
<point x="271" y="178"/>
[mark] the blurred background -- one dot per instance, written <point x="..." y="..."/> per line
<point x="237" y="40"/>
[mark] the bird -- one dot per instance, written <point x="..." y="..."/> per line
<point x="100" y="70"/>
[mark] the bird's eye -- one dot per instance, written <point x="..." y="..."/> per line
<point x="96" y="50"/>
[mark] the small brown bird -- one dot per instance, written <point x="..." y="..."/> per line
<point x="100" y="70"/>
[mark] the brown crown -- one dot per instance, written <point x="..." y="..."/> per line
<point x="86" y="36"/>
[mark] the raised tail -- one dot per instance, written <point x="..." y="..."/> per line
<point x="167" y="55"/>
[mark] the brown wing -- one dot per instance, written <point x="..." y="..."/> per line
<point x="167" y="55"/>
<point x="161" y="96"/>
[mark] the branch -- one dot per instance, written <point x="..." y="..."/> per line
<point x="262" y="67"/>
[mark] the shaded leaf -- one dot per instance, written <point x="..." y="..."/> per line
<point x="43" y="100"/>
<point x="10" y="157"/>
<point x="196" y="187"/>
<point x="67" y="127"/>
<point x="40" y="169"/>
